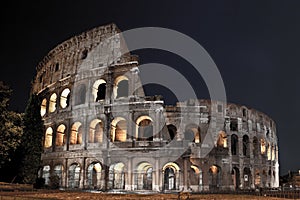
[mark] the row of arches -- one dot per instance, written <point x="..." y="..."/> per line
<point x="120" y="89"/>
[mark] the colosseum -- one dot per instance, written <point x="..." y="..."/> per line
<point x="103" y="133"/>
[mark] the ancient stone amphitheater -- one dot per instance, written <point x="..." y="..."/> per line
<point x="103" y="133"/>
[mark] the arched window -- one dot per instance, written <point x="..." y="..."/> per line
<point x="76" y="133"/>
<point x="118" y="130"/>
<point x="74" y="176"/>
<point x="236" y="177"/>
<point x="121" y="88"/>
<point x="171" y="176"/>
<point x="117" y="176"/>
<point x="46" y="174"/>
<point x="246" y="148"/>
<point x="80" y="94"/>
<point x="262" y="146"/>
<point x="94" y="175"/>
<point x="52" y="103"/>
<point x="234" y="145"/>
<point x="222" y="140"/>
<point x="65" y="98"/>
<point x="44" y="107"/>
<point x="96" y="131"/>
<point x="215" y="177"/>
<point x="144" y="128"/>
<point x="172" y="131"/>
<point x="48" y="137"/>
<point x="143" y="176"/>
<point x="192" y="133"/>
<point x="99" y="90"/>
<point x="60" y="135"/>
<point x="247" y="178"/>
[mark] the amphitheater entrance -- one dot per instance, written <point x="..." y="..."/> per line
<point x="74" y="176"/>
<point x="143" y="176"/>
<point x="215" y="177"/>
<point x="235" y="177"/>
<point x="94" y="176"/>
<point x="58" y="171"/>
<point x="171" y="176"/>
<point x="116" y="176"/>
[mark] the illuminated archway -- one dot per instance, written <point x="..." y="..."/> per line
<point x="171" y="176"/>
<point x="94" y="175"/>
<point x="143" y="176"/>
<point x="121" y="88"/>
<point x="43" y="107"/>
<point x="76" y="133"/>
<point x="52" y="103"/>
<point x="118" y="130"/>
<point x="48" y="137"/>
<point x="96" y="131"/>
<point x="99" y="90"/>
<point x="222" y="140"/>
<point x="117" y="176"/>
<point x="74" y="176"/>
<point x="60" y="135"/>
<point x="65" y="98"/>
<point x="192" y="133"/>
<point x="144" y="128"/>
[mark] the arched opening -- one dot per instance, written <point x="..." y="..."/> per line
<point x="80" y="94"/>
<point x="172" y="131"/>
<point x="236" y="177"/>
<point x="257" y="179"/>
<point x="196" y="177"/>
<point x="117" y="176"/>
<point x="43" y="107"/>
<point x="143" y="176"/>
<point x="192" y="133"/>
<point x="234" y="144"/>
<point x="58" y="170"/>
<point x="99" y="90"/>
<point x="48" y="137"/>
<point x="74" y="176"/>
<point x="118" y="130"/>
<point x="246" y="145"/>
<point x="76" y="133"/>
<point x="273" y="153"/>
<point x="215" y="177"/>
<point x="65" y="98"/>
<point x="60" y="135"/>
<point x="46" y="174"/>
<point x="121" y="88"/>
<point x="52" y="103"/>
<point x="94" y="176"/>
<point x="269" y="151"/>
<point x="255" y="146"/>
<point x="222" y="140"/>
<point x="171" y="176"/>
<point x="247" y="178"/>
<point x="96" y="131"/>
<point x="262" y="146"/>
<point x="144" y="128"/>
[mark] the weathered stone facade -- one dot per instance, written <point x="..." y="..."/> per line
<point x="102" y="132"/>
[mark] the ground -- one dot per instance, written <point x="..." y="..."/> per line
<point x="63" y="195"/>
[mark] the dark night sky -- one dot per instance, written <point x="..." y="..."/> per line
<point x="255" y="44"/>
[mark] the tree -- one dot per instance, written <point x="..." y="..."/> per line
<point x="10" y="132"/>
<point x="32" y="140"/>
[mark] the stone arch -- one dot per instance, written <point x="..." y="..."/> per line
<point x="48" y="137"/>
<point x="76" y="133"/>
<point x="269" y="151"/>
<point x="143" y="176"/>
<point x="94" y="171"/>
<point x="215" y="177"/>
<point x="117" y="176"/>
<point x="222" y="139"/>
<point x="257" y="178"/>
<point x="46" y="174"/>
<point x="43" y="107"/>
<point x="144" y="128"/>
<point x="96" y="131"/>
<point x="171" y="176"/>
<point x="52" y="103"/>
<point x="192" y="133"/>
<point x="65" y="98"/>
<point x="262" y="146"/>
<point x="121" y="87"/>
<point x="74" y="176"/>
<point x="60" y="135"/>
<point x="58" y="171"/>
<point x="118" y="129"/>
<point x="172" y="130"/>
<point x="196" y="177"/>
<point x="247" y="178"/>
<point x="246" y="145"/>
<point x="236" y="177"/>
<point x="234" y="144"/>
<point x="99" y="90"/>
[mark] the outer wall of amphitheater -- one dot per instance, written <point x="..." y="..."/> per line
<point x="103" y="133"/>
